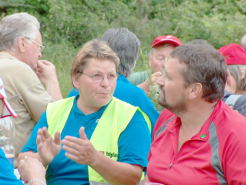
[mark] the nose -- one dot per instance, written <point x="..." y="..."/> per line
<point x="105" y="81"/>
<point x="40" y="54"/>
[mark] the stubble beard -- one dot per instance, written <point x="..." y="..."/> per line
<point x="176" y="108"/>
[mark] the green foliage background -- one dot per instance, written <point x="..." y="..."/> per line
<point x="67" y="24"/>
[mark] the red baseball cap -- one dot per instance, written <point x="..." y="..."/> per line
<point x="234" y="54"/>
<point x="166" y="39"/>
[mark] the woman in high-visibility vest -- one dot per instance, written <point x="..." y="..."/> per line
<point x="104" y="140"/>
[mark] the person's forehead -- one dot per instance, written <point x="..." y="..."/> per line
<point x="173" y="64"/>
<point x="95" y="64"/>
<point x="163" y="49"/>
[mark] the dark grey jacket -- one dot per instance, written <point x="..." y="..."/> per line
<point x="238" y="103"/>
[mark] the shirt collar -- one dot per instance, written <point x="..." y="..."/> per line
<point x="78" y="111"/>
<point x="203" y="134"/>
<point x="204" y="131"/>
<point x="4" y="54"/>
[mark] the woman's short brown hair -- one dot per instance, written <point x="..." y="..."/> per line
<point x="92" y="49"/>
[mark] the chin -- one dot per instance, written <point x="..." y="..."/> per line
<point x="161" y="99"/>
<point x="104" y="101"/>
<point x="34" y="67"/>
<point x="163" y="103"/>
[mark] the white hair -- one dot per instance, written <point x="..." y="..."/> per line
<point x="17" y="25"/>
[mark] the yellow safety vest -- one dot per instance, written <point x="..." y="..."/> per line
<point x="112" y="123"/>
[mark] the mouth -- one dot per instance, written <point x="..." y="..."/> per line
<point x="104" y="94"/>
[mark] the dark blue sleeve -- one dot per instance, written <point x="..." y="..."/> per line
<point x="73" y="92"/>
<point x="134" y="142"/>
<point x="31" y="144"/>
<point x="7" y="176"/>
<point x="240" y="105"/>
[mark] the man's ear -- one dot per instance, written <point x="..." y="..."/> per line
<point x="242" y="72"/>
<point x="229" y="79"/>
<point x="195" y="90"/>
<point x="231" y="83"/>
<point x="21" y="44"/>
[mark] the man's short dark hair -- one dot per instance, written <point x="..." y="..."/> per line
<point x="204" y="65"/>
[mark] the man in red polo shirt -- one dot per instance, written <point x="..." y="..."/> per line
<point x="198" y="139"/>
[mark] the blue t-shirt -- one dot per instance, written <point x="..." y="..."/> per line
<point x="133" y="148"/>
<point x="7" y="176"/>
<point x="133" y="95"/>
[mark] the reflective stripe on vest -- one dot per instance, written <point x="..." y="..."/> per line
<point x="112" y="123"/>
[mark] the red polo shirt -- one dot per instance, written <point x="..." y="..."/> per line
<point x="215" y="155"/>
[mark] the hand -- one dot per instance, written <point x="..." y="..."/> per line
<point x="31" y="168"/>
<point x="155" y="77"/>
<point x="46" y="71"/>
<point x="152" y="81"/>
<point x="48" y="147"/>
<point x="23" y="155"/>
<point x="80" y="149"/>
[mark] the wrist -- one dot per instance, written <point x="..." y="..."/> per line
<point x="36" y="181"/>
<point x="51" y="81"/>
<point x="96" y="159"/>
<point x="45" y="162"/>
<point x="145" y="86"/>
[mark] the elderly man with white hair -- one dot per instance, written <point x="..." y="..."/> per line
<point x="24" y="74"/>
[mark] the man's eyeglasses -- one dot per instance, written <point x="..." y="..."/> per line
<point x="99" y="77"/>
<point x="41" y="47"/>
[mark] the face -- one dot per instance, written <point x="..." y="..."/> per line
<point x="243" y="78"/>
<point x="158" y="56"/>
<point x="172" y="90"/>
<point x="31" y="50"/>
<point x="97" y="83"/>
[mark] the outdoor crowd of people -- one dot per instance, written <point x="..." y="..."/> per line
<point x="108" y="131"/>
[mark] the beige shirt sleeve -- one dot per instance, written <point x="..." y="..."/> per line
<point x="31" y="92"/>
